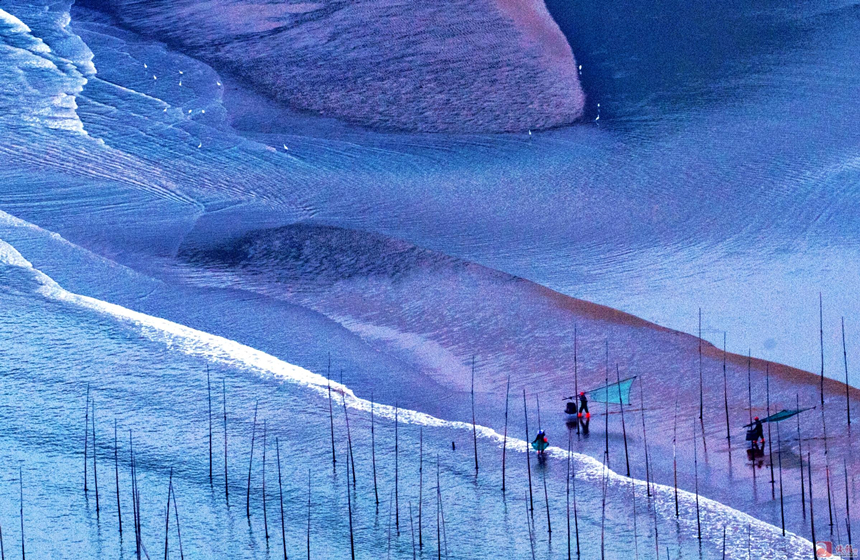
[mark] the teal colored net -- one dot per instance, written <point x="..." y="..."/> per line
<point x="615" y="393"/>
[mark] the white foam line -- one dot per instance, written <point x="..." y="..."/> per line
<point x="715" y="515"/>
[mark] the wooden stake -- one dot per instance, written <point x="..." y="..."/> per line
<point x="265" y="512"/>
<point x="2" y="550"/>
<point x="572" y="475"/>
<point x="226" y="480"/>
<point x="86" y="437"/>
<point x="567" y="476"/>
<point x="373" y="459"/>
<point x="178" y="531"/>
<point x="250" y="464"/>
<point x="546" y="498"/>
<point x="438" y="514"/>
<point x="309" y="518"/>
<point x="95" y="471"/>
<point x="603" y="513"/>
<point x="528" y="453"/>
<point x="281" y="500"/>
<point x="696" y="470"/>
<point x="505" y="437"/>
<point x="209" y="394"/>
<point x="769" y="438"/>
<point x="349" y="506"/>
<point x="606" y="412"/>
<point x="396" y="470"/>
<point x="781" y="499"/>
<point x="21" y="495"/>
<point x="675" y="458"/>
<point x="749" y="382"/>
<point x="623" y="424"/>
<point x="800" y="454"/>
<point x="420" y="483"/>
<point x="701" y="377"/>
<point x="847" y="505"/>
<point x="821" y="333"/>
<point x="827" y="468"/>
<point x="167" y="515"/>
<point x="635" y="522"/>
<point x="331" y="420"/>
<point x="116" y="472"/>
<point x="531" y="532"/>
<point x="726" y="392"/>
<point x="474" y="425"/>
<point x="811" y="507"/>
<point x="575" y="377"/>
<point x="724" y="542"/>
<point x="351" y="456"/>
<point x="645" y="442"/>
<point x="845" y="359"/>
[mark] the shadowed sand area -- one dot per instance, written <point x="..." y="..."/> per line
<point x="436" y="312"/>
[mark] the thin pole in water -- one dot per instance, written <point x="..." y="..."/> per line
<point x="86" y="437"/>
<point x="726" y="392"/>
<point x="420" y="483"/>
<point x="575" y="374"/>
<point x="331" y="414"/>
<point x="696" y="468"/>
<point x="265" y="512"/>
<point x="178" y="531"/>
<point x="281" y="499"/>
<point x="645" y="441"/>
<point x="167" y="515"/>
<point x="701" y="377"/>
<point x="474" y="425"/>
<point x="21" y="496"/>
<point x="209" y="394"/>
<point x="504" y="439"/>
<point x="309" y="518"/>
<point x="821" y="338"/>
<point x="349" y="441"/>
<point x="95" y="471"/>
<point x="811" y="507"/>
<point x="396" y="470"/>
<point x="769" y="438"/>
<point x="373" y="452"/>
<point x="724" y="542"/>
<point x="412" y="528"/>
<point x="827" y="468"/>
<point x="546" y="498"/>
<point x="575" y="512"/>
<point x="675" y="459"/>
<point x="623" y="424"/>
<point x="845" y="359"/>
<point x="567" y="517"/>
<point x="749" y="382"/>
<point x="224" y="399"/>
<point x="781" y="499"/>
<point x="606" y="411"/>
<point x="528" y="453"/>
<point x="116" y="472"/>
<point x="847" y="505"/>
<point x="529" y="522"/>
<point x="2" y="550"/>
<point x="251" y="464"/>
<point x="349" y="506"/>
<point x="800" y="454"/>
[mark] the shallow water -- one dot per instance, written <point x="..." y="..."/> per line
<point x="723" y="176"/>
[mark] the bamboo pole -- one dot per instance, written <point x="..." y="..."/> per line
<point x="505" y="437"/>
<point x="420" y="483"/>
<point x="331" y="420"/>
<point x="349" y="506"/>
<point x="845" y="360"/>
<point x="606" y="411"/>
<point x="116" y="472"/>
<point x="209" y="394"/>
<point x="567" y="477"/>
<point x="847" y="505"/>
<point x="528" y="453"/>
<point x="701" y="376"/>
<point x="623" y="424"/>
<point x="531" y="533"/>
<point x="769" y="437"/>
<point x="781" y="499"/>
<point x="546" y="498"/>
<point x="309" y="518"/>
<point x="438" y="514"/>
<point x="2" y="550"/>
<point x="86" y="437"/>
<point x="675" y="459"/>
<point x="21" y="496"/>
<point x="645" y="441"/>
<point x="635" y="521"/>
<point x="827" y="468"/>
<point x="265" y="512"/>
<point x="800" y="454"/>
<point x="178" y="531"/>
<point x="726" y="392"/>
<point x="167" y="515"/>
<point x="224" y="400"/>
<point x="696" y="470"/>
<point x="95" y="470"/>
<point x="250" y="464"/>
<point x="412" y="528"/>
<point x="575" y="376"/>
<point x="603" y="513"/>
<point x="749" y="382"/>
<point x="821" y="335"/>
<point x="572" y="475"/>
<point x="396" y="469"/>
<point x="281" y="499"/>
<point x="474" y="425"/>
<point x="811" y="507"/>
<point x="373" y="457"/>
<point x="349" y="441"/>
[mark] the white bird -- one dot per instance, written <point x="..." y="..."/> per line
<point x="285" y="147"/>
<point x="189" y="111"/>
<point x="154" y="77"/>
<point x="145" y="66"/>
<point x="200" y="145"/>
<point x="181" y="72"/>
<point x="165" y="110"/>
<point x="530" y="132"/>
<point x="219" y="84"/>
<point x="203" y="111"/>
<point x="180" y="82"/>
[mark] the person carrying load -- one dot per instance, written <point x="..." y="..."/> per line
<point x="755" y="433"/>
<point x="540" y="443"/>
